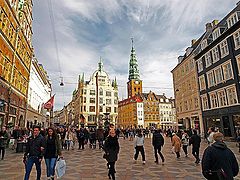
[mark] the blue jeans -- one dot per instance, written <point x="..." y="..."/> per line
<point x="30" y="161"/>
<point x="50" y="163"/>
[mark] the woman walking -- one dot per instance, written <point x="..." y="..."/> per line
<point x="111" y="148"/>
<point x="53" y="150"/>
<point x="176" y="143"/>
<point x="139" y="146"/>
<point x="69" y="139"/>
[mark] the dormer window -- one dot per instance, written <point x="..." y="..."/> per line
<point x="204" y="44"/>
<point x="232" y="19"/>
<point x="216" y="33"/>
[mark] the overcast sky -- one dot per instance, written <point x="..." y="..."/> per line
<point x="88" y="29"/>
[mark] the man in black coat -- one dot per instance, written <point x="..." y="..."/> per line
<point x="158" y="142"/>
<point x="34" y="153"/>
<point x="219" y="162"/>
<point x="195" y="141"/>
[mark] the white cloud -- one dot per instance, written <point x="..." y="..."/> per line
<point x="86" y="30"/>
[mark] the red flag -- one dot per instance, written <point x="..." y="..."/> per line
<point x="49" y="103"/>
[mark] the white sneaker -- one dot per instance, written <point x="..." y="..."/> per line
<point x="144" y="162"/>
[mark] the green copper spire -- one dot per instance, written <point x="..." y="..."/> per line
<point x="133" y="66"/>
<point x="100" y="65"/>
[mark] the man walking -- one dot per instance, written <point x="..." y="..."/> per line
<point x="219" y="162"/>
<point x="34" y="153"/>
<point x="4" y="136"/>
<point x="158" y="142"/>
<point x="195" y="141"/>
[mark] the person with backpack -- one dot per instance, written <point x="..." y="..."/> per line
<point x="218" y="161"/>
<point x="158" y="142"/>
<point x="139" y="146"/>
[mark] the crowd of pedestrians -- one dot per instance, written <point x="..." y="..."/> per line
<point x="48" y="144"/>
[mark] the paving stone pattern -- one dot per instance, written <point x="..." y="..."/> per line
<point x="88" y="164"/>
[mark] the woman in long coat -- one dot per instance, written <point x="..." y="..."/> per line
<point x="111" y="148"/>
<point x="176" y="143"/>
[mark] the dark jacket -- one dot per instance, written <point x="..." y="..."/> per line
<point x="216" y="157"/>
<point x="4" y="137"/>
<point x="157" y="140"/>
<point x="34" y="146"/>
<point x="53" y="148"/>
<point x="195" y="141"/>
<point x="111" y="148"/>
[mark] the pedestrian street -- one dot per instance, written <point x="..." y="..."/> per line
<point x="88" y="164"/>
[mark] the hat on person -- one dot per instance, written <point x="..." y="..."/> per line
<point x="218" y="136"/>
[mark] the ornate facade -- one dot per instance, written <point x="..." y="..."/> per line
<point x="15" y="59"/>
<point x="96" y="98"/>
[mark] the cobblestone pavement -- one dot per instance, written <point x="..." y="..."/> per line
<point x="88" y="164"/>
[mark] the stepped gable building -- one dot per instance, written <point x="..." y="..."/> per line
<point x="95" y="99"/>
<point x="218" y="71"/>
<point x="15" y="60"/>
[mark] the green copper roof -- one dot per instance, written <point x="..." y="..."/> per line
<point x="133" y="65"/>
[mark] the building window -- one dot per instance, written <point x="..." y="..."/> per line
<point x="214" y="100"/>
<point x="115" y="94"/>
<point x="100" y="91"/>
<point x="208" y="59"/>
<point x="232" y="95"/>
<point x="100" y="108"/>
<point x="204" y="44"/>
<point x="108" y="101"/>
<point x="92" y="100"/>
<point x="232" y="20"/>
<point x="227" y="70"/>
<point x="84" y="99"/>
<point x="218" y="75"/>
<point x="91" y="108"/>
<point x="202" y="84"/>
<point x="84" y="91"/>
<point x="108" y="109"/>
<point x="222" y="98"/>
<point x="108" y="93"/>
<point x="236" y="37"/>
<point x="115" y="101"/>
<point x="204" y="102"/>
<point x="238" y="64"/>
<point x="100" y="100"/>
<point x="92" y="92"/>
<point x="211" y="80"/>
<point x="215" y="54"/>
<point x="192" y="63"/>
<point x="200" y="65"/>
<point x="216" y="33"/>
<point x="115" y="109"/>
<point x="224" y="48"/>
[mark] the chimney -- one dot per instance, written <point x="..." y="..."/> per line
<point x="180" y="58"/>
<point x="163" y="94"/>
<point x="214" y="23"/>
<point x="193" y="41"/>
<point x="208" y="27"/>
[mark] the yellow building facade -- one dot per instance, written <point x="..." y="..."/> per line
<point x="188" y="109"/>
<point x="15" y="59"/>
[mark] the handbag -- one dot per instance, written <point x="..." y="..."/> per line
<point x="60" y="167"/>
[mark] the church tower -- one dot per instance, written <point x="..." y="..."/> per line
<point x="134" y="84"/>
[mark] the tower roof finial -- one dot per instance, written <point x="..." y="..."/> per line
<point x="132" y="41"/>
<point x="100" y="64"/>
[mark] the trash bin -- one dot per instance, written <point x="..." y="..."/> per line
<point x="21" y="147"/>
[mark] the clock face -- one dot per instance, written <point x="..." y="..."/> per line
<point x="136" y="82"/>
